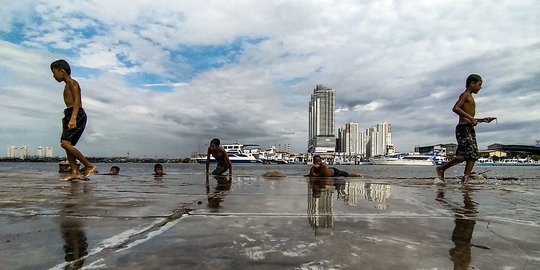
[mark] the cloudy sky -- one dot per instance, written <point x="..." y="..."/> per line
<point x="162" y="78"/>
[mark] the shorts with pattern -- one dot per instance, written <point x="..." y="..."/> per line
<point x="73" y="135"/>
<point x="466" y="139"/>
<point x="221" y="168"/>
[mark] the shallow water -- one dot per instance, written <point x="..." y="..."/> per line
<point x="394" y="217"/>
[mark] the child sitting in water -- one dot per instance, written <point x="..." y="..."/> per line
<point x="158" y="170"/>
<point x="115" y="170"/>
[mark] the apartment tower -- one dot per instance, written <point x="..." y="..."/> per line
<point x="322" y="121"/>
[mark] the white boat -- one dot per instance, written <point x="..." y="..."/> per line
<point x="236" y="154"/>
<point x="485" y="161"/>
<point x="404" y="159"/>
<point x="507" y="162"/>
<point x="344" y="162"/>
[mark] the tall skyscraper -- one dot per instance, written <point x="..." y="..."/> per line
<point x="379" y="140"/>
<point x="12" y="151"/>
<point x="40" y="152"/>
<point x="24" y="152"/>
<point x="48" y="152"/>
<point x="350" y="139"/>
<point x="322" y="122"/>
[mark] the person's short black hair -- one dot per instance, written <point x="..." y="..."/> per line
<point x="472" y="78"/>
<point x="115" y="168"/>
<point x="317" y="156"/>
<point x="215" y="141"/>
<point x="61" y="64"/>
<point x="158" y="166"/>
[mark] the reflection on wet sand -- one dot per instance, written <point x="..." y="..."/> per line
<point x="217" y="196"/>
<point x="320" y="198"/>
<point x="71" y="227"/>
<point x="464" y="221"/>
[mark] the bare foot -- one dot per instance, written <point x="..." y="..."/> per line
<point x="90" y="171"/>
<point x="72" y="177"/>
<point x="440" y="173"/>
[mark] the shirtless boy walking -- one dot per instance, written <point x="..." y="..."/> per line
<point x="74" y="121"/>
<point x="221" y="157"/>
<point x="467" y="149"/>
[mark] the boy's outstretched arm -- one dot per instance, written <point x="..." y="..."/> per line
<point x="486" y="119"/>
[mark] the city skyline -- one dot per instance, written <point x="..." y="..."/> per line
<point x="26" y="152"/>
<point x="160" y="79"/>
<point x="367" y="143"/>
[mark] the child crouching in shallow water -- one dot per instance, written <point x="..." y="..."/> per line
<point x="320" y="169"/>
<point x="220" y="155"/>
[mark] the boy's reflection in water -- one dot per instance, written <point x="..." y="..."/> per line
<point x="320" y="203"/>
<point x="217" y="196"/>
<point x="320" y="185"/>
<point x="71" y="227"/>
<point x="465" y="216"/>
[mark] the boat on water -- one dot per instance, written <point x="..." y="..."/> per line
<point x="236" y="154"/>
<point x="405" y="159"/>
<point x="507" y="162"/>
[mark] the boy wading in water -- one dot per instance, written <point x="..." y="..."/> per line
<point x="74" y="121"/>
<point x="467" y="149"/>
<point x="221" y="157"/>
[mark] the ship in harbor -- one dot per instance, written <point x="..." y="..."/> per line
<point x="236" y="153"/>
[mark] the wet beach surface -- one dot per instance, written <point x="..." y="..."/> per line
<point x="392" y="218"/>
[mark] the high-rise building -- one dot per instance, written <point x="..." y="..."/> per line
<point x="322" y="120"/>
<point x="379" y="140"/>
<point x="24" y="152"/>
<point x="350" y="139"/>
<point x="12" y="151"/>
<point x="44" y="152"/>
<point x="48" y="152"/>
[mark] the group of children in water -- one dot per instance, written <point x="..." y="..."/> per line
<point x="74" y="122"/>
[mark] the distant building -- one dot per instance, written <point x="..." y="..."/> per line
<point x="12" y="151"/>
<point x="24" y="152"/>
<point x="373" y="141"/>
<point x="448" y="149"/>
<point x="44" y="152"/>
<point x="48" y="152"/>
<point x="351" y="140"/>
<point x="321" y="131"/>
<point x="379" y="140"/>
<point x="515" y="149"/>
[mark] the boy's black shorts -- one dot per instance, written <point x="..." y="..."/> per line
<point x="338" y="172"/>
<point x="221" y="168"/>
<point x="73" y="135"/>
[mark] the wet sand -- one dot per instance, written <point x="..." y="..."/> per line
<point x="183" y="221"/>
